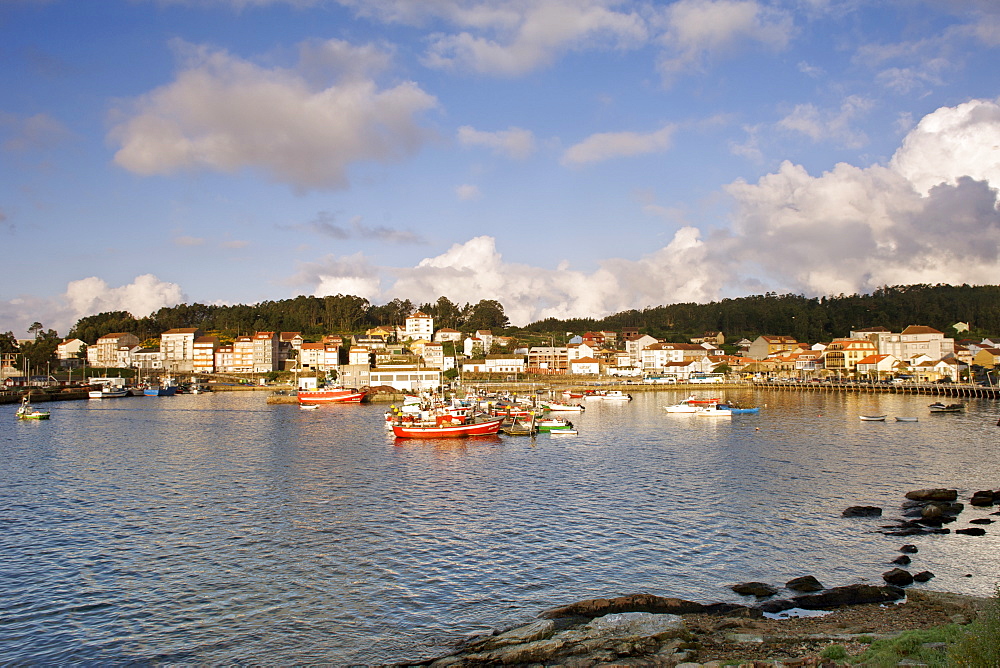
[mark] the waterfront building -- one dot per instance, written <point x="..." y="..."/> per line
<point x="585" y="366"/>
<point x="988" y="358"/>
<point x="766" y="345"/>
<point x="203" y="360"/>
<point x="177" y="347"/>
<point x="104" y="353"/>
<point x="405" y="378"/>
<point x="147" y="359"/>
<point x="68" y="352"/>
<point x="548" y="359"/>
<point x="912" y="341"/>
<point x="634" y="346"/>
<point x="843" y="355"/>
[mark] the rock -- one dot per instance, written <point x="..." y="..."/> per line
<point x="972" y="531"/>
<point x="806" y="583"/>
<point x="636" y="624"/>
<point x="540" y="630"/>
<point x="759" y="589"/>
<point x="923" y="576"/>
<point x="898" y="577"/>
<point x="838" y="597"/>
<point x="981" y="520"/>
<point x="931" y="511"/>
<point x="598" y="607"/>
<point x="862" y="511"/>
<point x="908" y="549"/>
<point x="937" y="494"/>
<point x="983" y="498"/>
<point x="902" y="560"/>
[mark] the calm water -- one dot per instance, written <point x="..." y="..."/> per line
<point x="216" y="528"/>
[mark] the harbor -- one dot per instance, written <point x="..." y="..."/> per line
<point x="217" y="528"/>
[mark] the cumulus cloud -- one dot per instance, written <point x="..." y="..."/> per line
<point x="516" y="143"/>
<point x="607" y="145"/>
<point x="952" y="142"/>
<point x="695" y="30"/>
<point x="512" y="38"/>
<point x="89" y="296"/>
<point x="224" y="113"/>
<point x="851" y="229"/>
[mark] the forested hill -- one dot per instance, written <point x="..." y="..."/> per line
<point x="807" y="319"/>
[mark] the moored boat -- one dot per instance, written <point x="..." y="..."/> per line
<point x="617" y="395"/>
<point x="715" y="410"/>
<point x="738" y="411"/>
<point x="28" y="412"/>
<point x="565" y="408"/>
<point x="905" y="419"/>
<point x="939" y="407"/>
<point x="331" y="395"/>
<point x="446" y="427"/>
<point x="690" y="405"/>
<point x="553" y="424"/>
<point x="872" y="418"/>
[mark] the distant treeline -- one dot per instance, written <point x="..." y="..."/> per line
<point x="806" y="319"/>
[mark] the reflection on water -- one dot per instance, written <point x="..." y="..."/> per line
<point x="216" y="528"/>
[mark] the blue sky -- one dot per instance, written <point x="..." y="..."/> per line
<point x="565" y="157"/>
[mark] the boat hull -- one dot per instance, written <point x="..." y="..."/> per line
<point x="447" y="431"/>
<point x="330" y="396"/>
<point x="160" y="391"/>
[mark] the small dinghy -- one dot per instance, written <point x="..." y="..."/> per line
<point x="872" y="418"/>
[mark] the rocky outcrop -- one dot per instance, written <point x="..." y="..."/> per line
<point x="806" y="583"/>
<point x="598" y="607"/>
<point x="937" y="494"/>
<point x="837" y="597"/>
<point x="898" y="577"/>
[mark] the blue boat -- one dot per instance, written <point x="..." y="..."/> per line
<point x="166" y="388"/>
<point x="736" y="411"/>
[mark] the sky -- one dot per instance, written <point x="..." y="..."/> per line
<point x="567" y="158"/>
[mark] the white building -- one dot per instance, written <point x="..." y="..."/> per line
<point x="419" y="326"/>
<point x="177" y="348"/>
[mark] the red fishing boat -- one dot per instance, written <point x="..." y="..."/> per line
<point x="445" y="426"/>
<point x="331" y="395"/>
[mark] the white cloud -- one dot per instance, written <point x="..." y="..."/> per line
<point x="467" y="192"/>
<point x="525" y="36"/>
<point x="604" y="146"/>
<point x="953" y="142"/>
<point x="820" y="125"/>
<point x="89" y="296"/>
<point x="695" y="30"/>
<point x="227" y="114"/>
<point x="515" y="143"/>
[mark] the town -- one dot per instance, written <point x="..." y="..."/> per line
<point x="417" y="356"/>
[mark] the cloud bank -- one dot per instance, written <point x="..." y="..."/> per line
<point x="295" y="125"/>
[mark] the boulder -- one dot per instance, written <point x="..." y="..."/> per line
<point x="598" y="607"/>
<point x="806" y="583"/>
<point x="862" y="511"/>
<point x="981" y="520"/>
<point x="902" y="560"/>
<point x="937" y="494"/>
<point x="983" y="498"/>
<point x="908" y="549"/>
<point x="838" y="597"/>
<point x="759" y="589"/>
<point x="923" y="576"/>
<point x="972" y="531"/>
<point x="931" y="511"/>
<point x="636" y="625"/>
<point x="898" y="577"/>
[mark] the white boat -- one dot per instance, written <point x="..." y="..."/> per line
<point x="308" y="407"/>
<point x="28" y="412"/>
<point x="616" y="395"/>
<point x="906" y="419"/>
<point x="564" y="408"/>
<point x="872" y="418"/>
<point x="691" y="405"/>
<point x="715" y="410"/>
<point x="108" y="392"/>
<point x="563" y="432"/>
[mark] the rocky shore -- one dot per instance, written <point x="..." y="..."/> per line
<point x="645" y="629"/>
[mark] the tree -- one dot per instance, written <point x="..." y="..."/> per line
<point x="8" y="344"/>
<point x="35" y="328"/>
<point x="487" y="314"/>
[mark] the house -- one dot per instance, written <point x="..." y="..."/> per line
<point x="370" y="341"/>
<point x="419" y="326"/>
<point x="585" y="366"/>
<point x="988" y="358"/>
<point x="842" y="355"/>
<point x="359" y="355"/>
<point x="203" y="354"/>
<point x="715" y="338"/>
<point x="104" y="353"/>
<point x="147" y="359"/>
<point x="405" y="378"/>
<point x="266" y="356"/>
<point x="354" y="375"/>
<point x="877" y="366"/>
<point x="767" y="345"/>
<point x="634" y="347"/>
<point x="548" y="360"/>
<point x="312" y="355"/>
<point x="577" y="351"/>
<point x="69" y="349"/>
<point x="433" y="355"/>
<point x="447" y="334"/>
<point x="657" y="355"/>
<point x="473" y="346"/>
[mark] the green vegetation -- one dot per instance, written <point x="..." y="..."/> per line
<point x="976" y="645"/>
